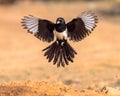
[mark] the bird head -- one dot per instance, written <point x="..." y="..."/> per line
<point x="60" y="20"/>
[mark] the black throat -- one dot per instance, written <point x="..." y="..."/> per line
<point x="60" y="27"/>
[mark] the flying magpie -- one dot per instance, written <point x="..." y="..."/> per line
<point x="60" y="52"/>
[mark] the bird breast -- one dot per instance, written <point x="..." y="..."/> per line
<point x="61" y="35"/>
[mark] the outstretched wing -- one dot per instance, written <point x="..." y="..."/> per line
<point x="81" y="26"/>
<point x="42" y="29"/>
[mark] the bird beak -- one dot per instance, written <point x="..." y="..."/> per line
<point x="58" y="22"/>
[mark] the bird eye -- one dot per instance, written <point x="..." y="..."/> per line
<point x="60" y="20"/>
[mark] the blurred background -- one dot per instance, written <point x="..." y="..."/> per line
<point x="97" y="63"/>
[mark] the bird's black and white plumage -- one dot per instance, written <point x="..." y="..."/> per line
<point x="60" y="52"/>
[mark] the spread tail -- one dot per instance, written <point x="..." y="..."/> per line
<point x="60" y="52"/>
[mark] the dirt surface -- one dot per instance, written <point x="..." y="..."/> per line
<point x="21" y="59"/>
<point x="31" y="88"/>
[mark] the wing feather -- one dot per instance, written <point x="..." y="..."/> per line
<point x="81" y="26"/>
<point x="42" y="29"/>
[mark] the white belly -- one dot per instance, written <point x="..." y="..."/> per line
<point x="62" y="35"/>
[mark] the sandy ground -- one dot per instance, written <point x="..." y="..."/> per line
<point x="96" y="65"/>
<point x="31" y="88"/>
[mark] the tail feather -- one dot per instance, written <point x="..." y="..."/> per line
<point x="60" y="61"/>
<point x="60" y="52"/>
<point x="56" y="55"/>
<point x="65" y="57"/>
<point x="50" y="55"/>
<point x="68" y="54"/>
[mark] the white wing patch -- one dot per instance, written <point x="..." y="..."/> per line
<point x="89" y="20"/>
<point x="31" y="23"/>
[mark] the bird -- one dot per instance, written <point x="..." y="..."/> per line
<point x="60" y="52"/>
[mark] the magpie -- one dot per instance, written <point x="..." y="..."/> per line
<point x="60" y="51"/>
